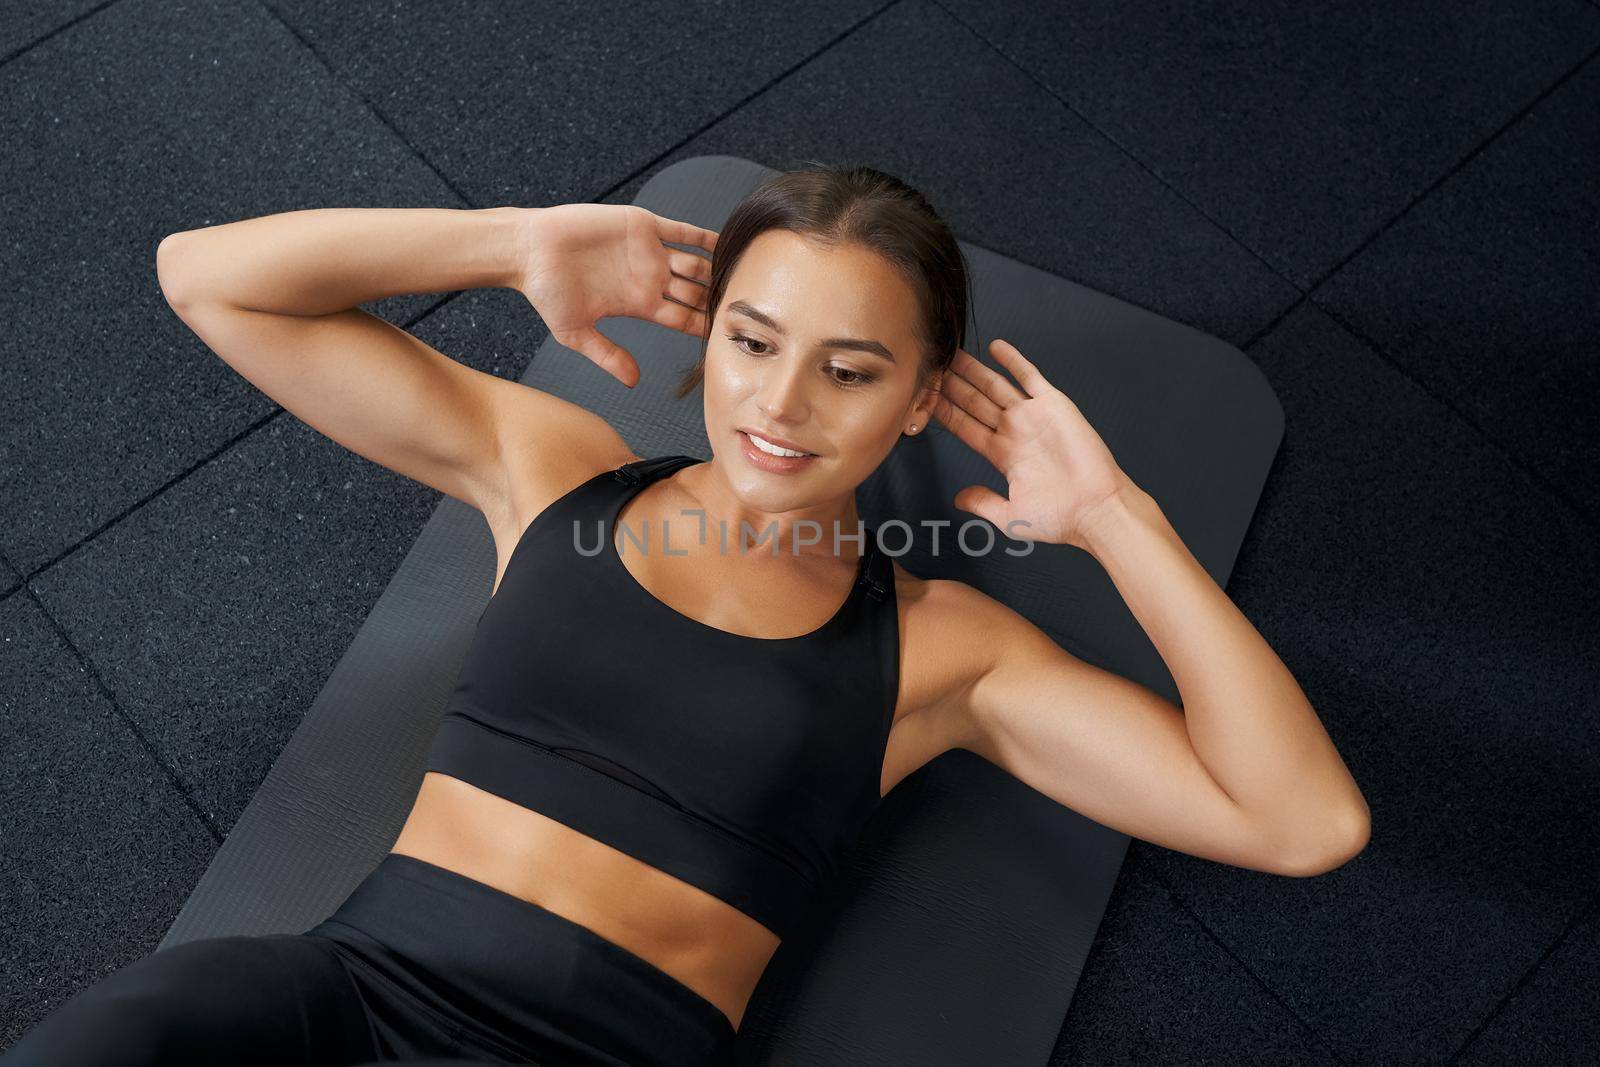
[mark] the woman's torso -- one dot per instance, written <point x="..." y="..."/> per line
<point x="701" y="940"/>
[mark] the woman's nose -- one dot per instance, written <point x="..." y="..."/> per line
<point x="781" y="396"/>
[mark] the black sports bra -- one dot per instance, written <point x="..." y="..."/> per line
<point x="742" y="765"/>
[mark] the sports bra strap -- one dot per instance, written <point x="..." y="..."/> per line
<point x="875" y="588"/>
<point x="638" y="470"/>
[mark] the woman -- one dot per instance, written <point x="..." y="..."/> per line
<point x="653" y="757"/>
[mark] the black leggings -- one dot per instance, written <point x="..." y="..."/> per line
<point x="419" y="964"/>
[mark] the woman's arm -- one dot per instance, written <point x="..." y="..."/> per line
<point x="322" y="260"/>
<point x="1246" y="716"/>
<point x="1243" y="772"/>
<point x="274" y="298"/>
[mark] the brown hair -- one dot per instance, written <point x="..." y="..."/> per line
<point x="863" y="205"/>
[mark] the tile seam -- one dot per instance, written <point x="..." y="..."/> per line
<point x="110" y="696"/>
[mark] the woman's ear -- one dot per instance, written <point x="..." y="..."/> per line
<point x="922" y="412"/>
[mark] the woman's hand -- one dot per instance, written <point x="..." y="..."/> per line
<point x="1057" y="469"/>
<point x="584" y="262"/>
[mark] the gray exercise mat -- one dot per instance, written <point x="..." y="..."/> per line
<point x="957" y="931"/>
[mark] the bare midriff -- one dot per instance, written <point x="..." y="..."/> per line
<point x="701" y="940"/>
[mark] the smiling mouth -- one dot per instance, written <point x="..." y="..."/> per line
<point x="773" y="449"/>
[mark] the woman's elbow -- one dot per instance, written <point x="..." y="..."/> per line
<point x="168" y="268"/>
<point x="1337" y="850"/>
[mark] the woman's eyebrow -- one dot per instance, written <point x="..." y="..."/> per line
<point x="855" y="344"/>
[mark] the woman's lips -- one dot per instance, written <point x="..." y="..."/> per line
<point x="768" y="462"/>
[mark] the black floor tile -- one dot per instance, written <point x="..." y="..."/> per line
<point x="27" y="22"/>
<point x="1554" y="1019"/>
<point x="1488" y="292"/>
<point x="533" y="104"/>
<point x="917" y="95"/>
<point x="1300" y="128"/>
<point x="100" y="847"/>
<point x="150" y="117"/>
<point x="1157" y="988"/>
<point x="1436" y="606"/>
<point x="217" y="611"/>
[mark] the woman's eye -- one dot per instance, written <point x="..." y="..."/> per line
<point x="742" y="341"/>
<point x="855" y="376"/>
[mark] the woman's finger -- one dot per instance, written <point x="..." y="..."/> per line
<point x="605" y="353"/>
<point x="678" y="316"/>
<point x="686" y="292"/>
<point x="683" y="233"/>
<point x="1026" y="374"/>
<point x="989" y="381"/>
<point x="688" y="265"/>
<point x="974" y="434"/>
<point x="972" y="399"/>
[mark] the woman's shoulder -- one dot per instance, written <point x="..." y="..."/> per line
<point x="951" y="634"/>
<point x="952" y="617"/>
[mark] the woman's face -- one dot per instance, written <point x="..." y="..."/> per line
<point x="813" y="346"/>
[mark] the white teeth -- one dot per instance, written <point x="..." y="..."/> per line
<point x="772" y="449"/>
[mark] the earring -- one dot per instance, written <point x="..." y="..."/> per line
<point x="913" y="427"/>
